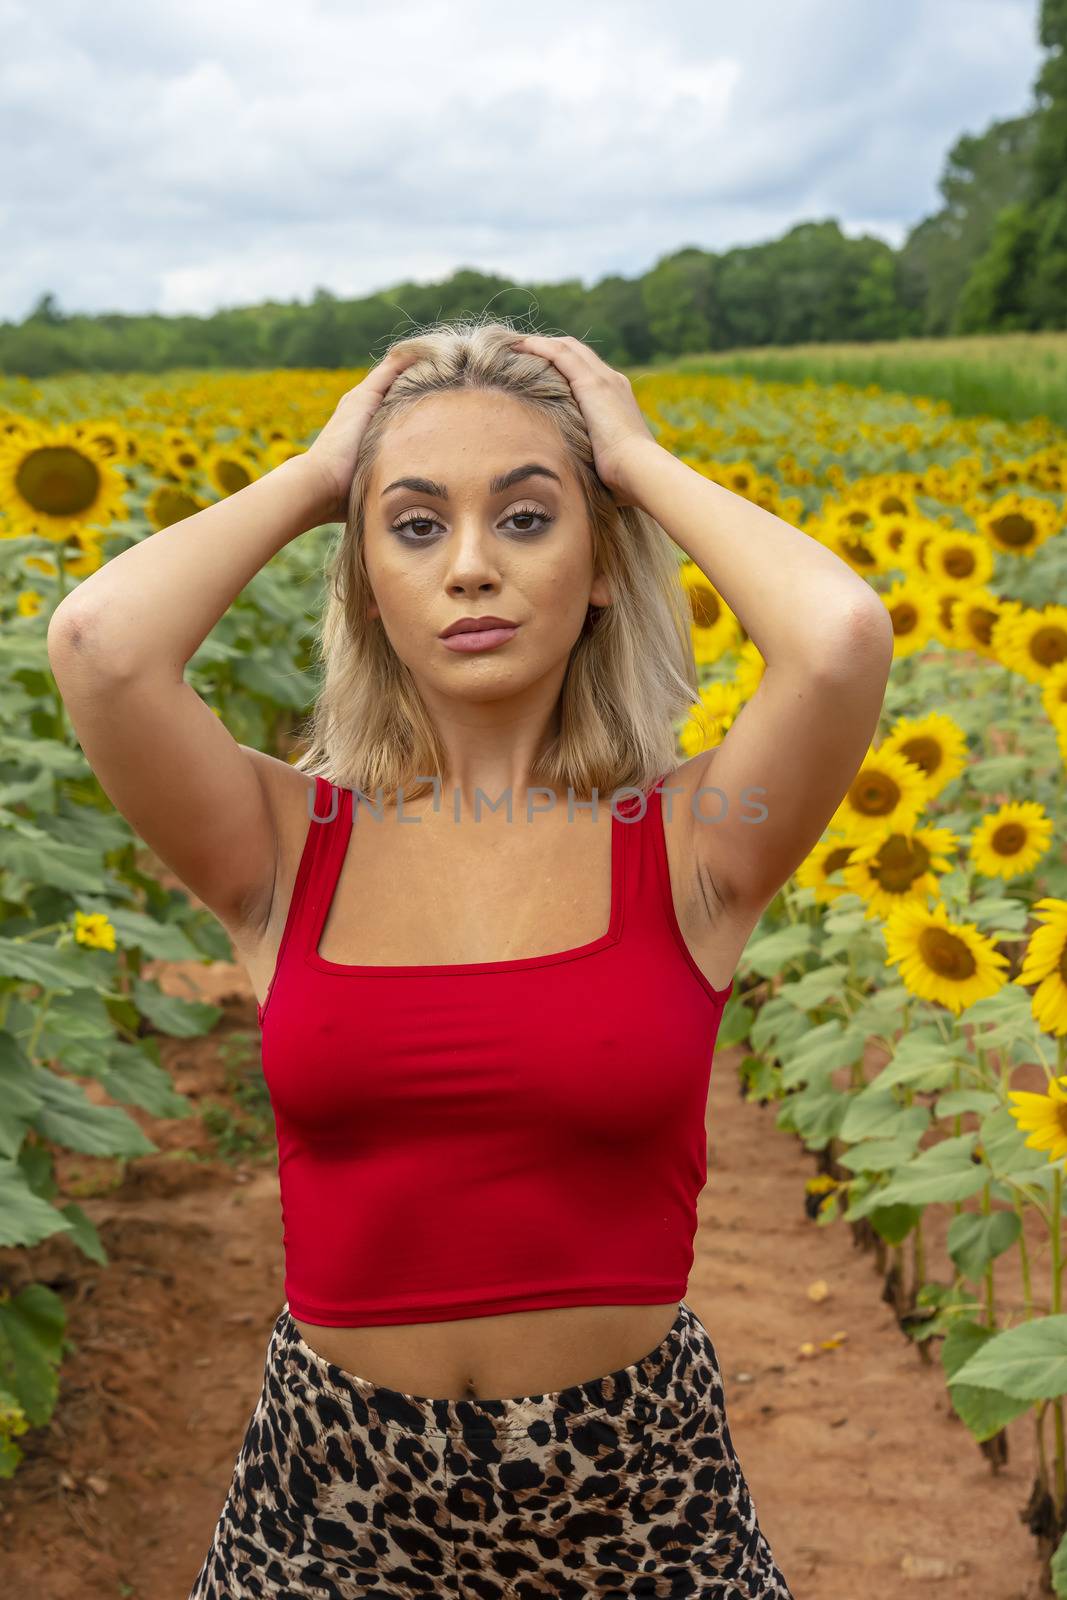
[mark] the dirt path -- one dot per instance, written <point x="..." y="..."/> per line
<point x="865" y="1484"/>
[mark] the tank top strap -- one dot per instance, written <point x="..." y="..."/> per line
<point x="320" y="862"/>
<point x="645" y="856"/>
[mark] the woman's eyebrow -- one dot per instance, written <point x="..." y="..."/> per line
<point x="496" y="485"/>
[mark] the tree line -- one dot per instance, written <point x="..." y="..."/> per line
<point x="992" y="258"/>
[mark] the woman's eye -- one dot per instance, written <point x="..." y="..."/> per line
<point x="522" y="514"/>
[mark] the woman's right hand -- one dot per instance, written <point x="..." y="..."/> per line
<point x="336" y="447"/>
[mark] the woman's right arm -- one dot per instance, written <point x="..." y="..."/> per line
<point x="118" y="646"/>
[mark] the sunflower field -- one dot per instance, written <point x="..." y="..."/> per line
<point x="903" y="1000"/>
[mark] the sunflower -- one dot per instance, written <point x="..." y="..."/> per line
<point x="949" y="963"/>
<point x="912" y="609"/>
<point x="30" y="603"/>
<point x="749" y="670"/>
<point x="710" y="717"/>
<point x="1043" y="1117"/>
<point x="891" y="540"/>
<point x="1045" y="963"/>
<point x="975" y="618"/>
<point x="1011" y="839"/>
<point x="281" y="448"/>
<point x="934" y="743"/>
<point x="887" y="794"/>
<point x="94" y="929"/>
<point x="183" y="456"/>
<point x="108" y="439"/>
<point x="830" y="855"/>
<point x="845" y="528"/>
<point x="85" y="554"/>
<point x="714" y="628"/>
<point x="959" y="559"/>
<point x="899" y="866"/>
<point x="54" y="482"/>
<point x="1019" y="524"/>
<point x="230" y="470"/>
<point x="168" y="503"/>
<point x="1054" y="693"/>
<point x="1032" y="642"/>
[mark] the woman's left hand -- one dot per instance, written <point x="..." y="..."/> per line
<point x="617" y="429"/>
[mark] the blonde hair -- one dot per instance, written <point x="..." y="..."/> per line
<point x="631" y="672"/>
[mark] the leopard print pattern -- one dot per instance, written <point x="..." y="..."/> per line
<point x="623" y="1486"/>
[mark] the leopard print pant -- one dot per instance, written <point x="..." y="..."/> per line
<point x="623" y="1486"/>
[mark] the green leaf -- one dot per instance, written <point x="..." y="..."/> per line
<point x="1028" y="1361"/>
<point x="954" y="1102"/>
<point x="769" y="954"/>
<point x="19" y="1100"/>
<point x="160" y="941"/>
<point x="84" y="1234"/>
<point x="34" y="855"/>
<point x="815" y="988"/>
<point x="894" y="1223"/>
<point x="817" y="1117"/>
<point x="1058" y="1570"/>
<point x="61" y="970"/>
<point x="181" y="1019"/>
<point x="281" y="685"/>
<point x="938" y="1175"/>
<point x="132" y="1077"/>
<point x="1005" y="1146"/>
<point x="69" y="1118"/>
<point x="818" y="1052"/>
<point x="32" y="1325"/>
<point x="25" y="1219"/>
<point x="983" y="1411"/>
<point x="876" y="1113"/>
<point x="975" y="1240"/>
<point x="880" y="1155"/>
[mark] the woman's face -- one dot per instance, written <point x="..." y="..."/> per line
<point x="454" y="546"/>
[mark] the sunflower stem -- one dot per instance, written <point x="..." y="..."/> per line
<point x="1057" y="1307"/>
<point x="1024" y="1259"/>
<point x="990" y="1294"/>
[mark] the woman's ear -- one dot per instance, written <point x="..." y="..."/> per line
<point x="599" y="593"/>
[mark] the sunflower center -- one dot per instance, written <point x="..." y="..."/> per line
<point x="925" y="753"/>
<point x="946" y="954"/>
<point x="704" y="604"/>
<point x="859" y="553"/>
<point x="959" y="562"/>
<point x="231" y="475"/>
<point x="58" y="481"/>
<point x="1009" y="839"/>
<point x="899" y="862"/>
<point x="875" y="794"/>
<point x="980" y="621"/>
<point x="1014" y="529"/>
<point x="905" y="617"/>
<point x="836" y="859"/>
<point x="1048" y="646"/>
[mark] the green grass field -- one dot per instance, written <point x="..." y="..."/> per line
<point x="1011" y="375"/>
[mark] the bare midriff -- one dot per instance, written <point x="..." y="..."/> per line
<point x="497" y="1357"/>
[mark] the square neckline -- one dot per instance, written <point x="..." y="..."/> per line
<point x="603" y="941"/>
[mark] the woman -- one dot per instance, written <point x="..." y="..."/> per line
<point x="487" y="1045"/>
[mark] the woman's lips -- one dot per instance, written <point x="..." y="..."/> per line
<point x="485" y="639"/>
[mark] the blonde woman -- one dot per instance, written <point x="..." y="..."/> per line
<point x="492" y="923"/>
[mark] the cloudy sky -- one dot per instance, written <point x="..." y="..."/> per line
<point x="190" y="154"/>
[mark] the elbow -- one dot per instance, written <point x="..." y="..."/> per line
<point x="78" y="646"/>
<point x="864" y="639"/>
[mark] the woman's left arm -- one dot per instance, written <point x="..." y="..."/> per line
<point x="824" y="633"/>
<point x="827" y="641"/>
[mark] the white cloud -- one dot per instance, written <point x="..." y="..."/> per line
<point x="182" y="157"/>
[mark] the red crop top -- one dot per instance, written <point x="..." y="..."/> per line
<point x="463" y="1140"/>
